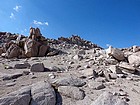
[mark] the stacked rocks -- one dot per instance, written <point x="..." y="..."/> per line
<point x="18" y="46"/>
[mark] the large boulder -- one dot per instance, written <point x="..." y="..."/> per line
<point x="43" y="94"/>
<point x="116" y="53"/>
<point x="134" y="59"/>
<point x="72" y="92"/>
<point x="13" y="51"/>
<point x="37" y="67"/>
<point x="32" y="33"/>
<point x="43" y="50"/>
<point x="31" y="48"/>
<point x="127" y="68"/>
<point x="35" y="34"/>
<point x="19" y="97"/>
<point x="108" y="98"/>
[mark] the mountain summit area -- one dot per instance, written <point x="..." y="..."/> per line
<point x="66" y="71"/>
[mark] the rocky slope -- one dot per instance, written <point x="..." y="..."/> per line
<point x="67" y="71"/>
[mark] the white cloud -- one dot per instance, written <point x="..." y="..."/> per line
<point x="12" y="16"/>
<point x="17" y="8"/>
<point x="40" y="23"/>
<point x="46" y="23"/>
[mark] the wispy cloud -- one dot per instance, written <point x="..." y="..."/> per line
<point x="17" y="8"/>
<point x="40" y="23"/>
<point x="46" y="23"/>
<point x="12" y="16"/>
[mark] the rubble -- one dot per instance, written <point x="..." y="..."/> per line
<point x="66" y="71"/>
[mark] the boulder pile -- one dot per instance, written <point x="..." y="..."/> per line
<point x="74" y="41"/>
<point x="85" y="74"/>
<point x="19" y="46"/>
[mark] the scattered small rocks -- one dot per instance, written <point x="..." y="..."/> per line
<point x="98" y="70"/>
<point x="107" y="98"/>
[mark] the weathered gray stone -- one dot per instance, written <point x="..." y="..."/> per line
<point x="68" y="81"/>
<point x="134" y="59"/>
<point x="10" y="84"/>
<point x="55" y="68"/>
<point x="15" y="100"/>
<point x="31" y="48"/>
<point x="42" y="50"/>
<point x="19" y="97"/>
<point x="87" y="72"/>
<point x="112" y="76"/>
<point x="37" y="67"/>
<point x="72" y="92"/>
<point x="108" y="98"/>
<point x="116" y="53"/>
<point x="110" y="61"/>
<point x="22" y="66"/>
<point x="13" y="51"/>
<point x="127" y="68"/>
<point x="115" y="69"/>
<point x="42" y="94"/>
<point x="11" y="76"/>
<point x="96" y="85"/>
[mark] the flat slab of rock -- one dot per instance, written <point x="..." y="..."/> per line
<point x="22" y="66"/>
<point x="72" y="92"/>
<point x="96" y="85"/>
<point x="10" y="84"/>
<point x="19" y="97"/>
<point x="11" y="76"/>
<point x="127" y="68"/>
<point x="108" y="98"/>
<point x="42" y="94"/>
<point x="37" y="67"/>
<point x="68" y="81"/>
<point x="87" y="72"/>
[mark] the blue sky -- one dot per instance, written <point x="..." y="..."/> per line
<point x="113" y="22"/>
